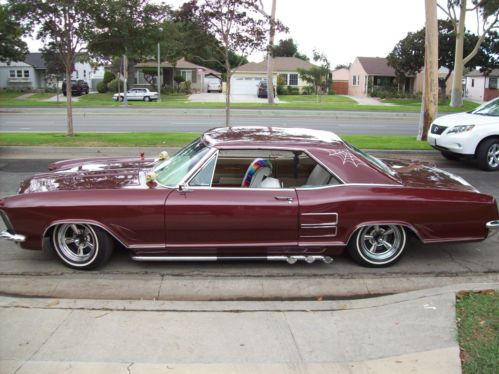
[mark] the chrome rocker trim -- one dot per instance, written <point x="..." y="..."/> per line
<point x="13" y="237"/>
<point x="289" y="259"/>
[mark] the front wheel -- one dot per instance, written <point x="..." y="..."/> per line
<point x="147" y="98"/>
<point x="377" y="245"/>
<point x="82" y="246"/>
<point x="488" y="155"/>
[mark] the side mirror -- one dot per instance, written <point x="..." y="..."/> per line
<point x="183" y="188"/>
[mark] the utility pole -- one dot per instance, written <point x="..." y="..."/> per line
<point x="159" y="74"/>
<point x="125" y="75"/>
<point x="429" y="105"/>
<point x="270" y="70"/>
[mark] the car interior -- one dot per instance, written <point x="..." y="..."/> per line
<point x="262" y="168"/>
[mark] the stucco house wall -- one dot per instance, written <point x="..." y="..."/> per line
<point x="357" y="85"/>
<point x="30" y="80"/>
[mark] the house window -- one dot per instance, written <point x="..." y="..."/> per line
<point x="493" y="83"/>
<point x="293" y="79"/>
<point x="26" y="73"/>
<point x="19" y="73"/>
<point x="472" y="83"/>
<point x="284" y="78"/>
<point x="187" y="75"/>
<point x="355" y="81"/>
<point x="12" y="73"/>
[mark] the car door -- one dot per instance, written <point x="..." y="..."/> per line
<point x="202" y="220"/>
<point x="132" y="94"/>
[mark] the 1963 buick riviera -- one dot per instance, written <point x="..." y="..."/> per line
<point x="245" y="193"/>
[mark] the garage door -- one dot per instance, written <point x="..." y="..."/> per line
<point x="242" y="85"/>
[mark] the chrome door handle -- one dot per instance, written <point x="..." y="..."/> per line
<point x="284" y="198"/>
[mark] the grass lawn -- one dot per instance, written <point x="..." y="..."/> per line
<point x="478" y="331"/>
<point x="328" y="102"/>
<point x="174" y="139"/>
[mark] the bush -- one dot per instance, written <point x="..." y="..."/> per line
<point x="292" y="90"/>
<point x="114" y="84"/>
<point x="101" y="87"/>
<point x="282" y="90"/>
<point x="331" y="92"/>
<point x="307" y="90"/>
<point x="185" y="87"/>
<point x="108" y="77"/>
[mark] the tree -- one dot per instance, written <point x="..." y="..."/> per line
<point x="128" y="28"/>
<point x="429" y="105"/>
<point x="318" y="76"/>
<point x="487" y="13"/>
<point x="342" y="66"/>
<point x="64" y="26"/>
<point x="288" y="48"/>
<point x="12" y="47"/>
<point x="237" y="25"/>
<point x="407" y="57"/>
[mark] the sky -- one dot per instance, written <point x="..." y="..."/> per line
<point x="342" y="29"/>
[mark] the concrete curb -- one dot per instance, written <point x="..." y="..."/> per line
<point x="195" y="288"/>
<point x="49" y="152"/>
<point x="239" y="306"/>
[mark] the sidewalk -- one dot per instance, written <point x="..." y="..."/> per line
<point x="413" y="332"/>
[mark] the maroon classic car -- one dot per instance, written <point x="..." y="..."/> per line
<point x="245" y="193"/>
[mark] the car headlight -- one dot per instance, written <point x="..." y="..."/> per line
<point x="460" y="129"/>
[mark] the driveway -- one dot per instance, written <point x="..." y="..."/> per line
<point x="220" y="98"/>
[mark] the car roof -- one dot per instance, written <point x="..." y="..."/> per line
<point x="270" y="136"/>
<point x="325" y="146"/>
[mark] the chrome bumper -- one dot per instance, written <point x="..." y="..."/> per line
<point x="492" y="225"/>
<point x="13" y="237"/>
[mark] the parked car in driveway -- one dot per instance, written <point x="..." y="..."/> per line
<point x="215" y="86"/>
<point x="262" y="90"/>
<point x="78" y="88"/>
<point x="472" y="135"/>
<point x="246" y="193"/>
<point x="140" y="94"/>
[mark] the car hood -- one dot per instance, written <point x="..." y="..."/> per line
<point x="465" y="119"/>
<point x="84" y="180"/>
<point x="420" y="174"/>
<point x="102" y="163"/>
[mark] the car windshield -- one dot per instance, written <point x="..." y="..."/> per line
<point x="488" y="109"/>
<point x="171" y="172"/>
<point x="376" y="162"/>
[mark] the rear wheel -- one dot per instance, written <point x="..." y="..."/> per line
<point x="82" y="246"/>
<point x="377" y="245"/>
<point x="488" y="155"/>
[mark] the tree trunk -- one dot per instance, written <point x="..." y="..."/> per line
<point x="69" y="104"/>
<point x="227" y="91"/>
<point x="270" y="70"/>
<point x="456" y="99"/>
<point x="429" y="105"/>
<point x="125" y="81"/>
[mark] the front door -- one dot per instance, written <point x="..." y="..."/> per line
<point x="231" y="221"/>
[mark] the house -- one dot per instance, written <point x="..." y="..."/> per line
<point x="443" y="72"/>
<point x="480" y="86"/>
<point x="198" y="75"/>
<point x="340" y="78"/>
<point x="368" y="74"/>
<point x="31" y="74"/>
<point x="245" y="78"/>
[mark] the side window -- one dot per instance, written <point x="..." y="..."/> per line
<point x="204" y="176"/>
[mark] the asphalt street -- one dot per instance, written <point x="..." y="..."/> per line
<point x="155" y="120"/>
<point x="438" y="264"/>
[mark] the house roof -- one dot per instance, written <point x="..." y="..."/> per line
<point x="280" y="64"/>
<point x="181" y="64"/>
<point x="36" y="60"/>
<point x="478" y="73"/>
<point x="376" y="66"/>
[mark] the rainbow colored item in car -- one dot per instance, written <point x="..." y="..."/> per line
<point x="255" y="165"/>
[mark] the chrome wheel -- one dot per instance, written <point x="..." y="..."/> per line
<point x="378" y="245"/>
<point x="493" y="156"/>
<point x="76" y="243"/>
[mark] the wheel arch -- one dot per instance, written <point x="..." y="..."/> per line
<point x="51" y="226"/>
<point x="409" y="228"/>
<point x="493" y="136"/>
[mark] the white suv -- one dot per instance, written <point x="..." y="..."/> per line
<point x="469" y="135"/>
